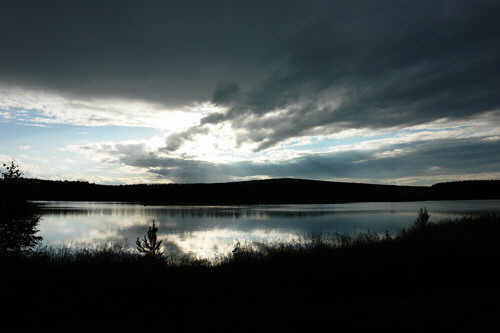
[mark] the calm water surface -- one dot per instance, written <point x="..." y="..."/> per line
<point x="208" y="231"/>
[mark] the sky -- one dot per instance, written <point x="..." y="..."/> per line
<point x="124" y="92"/>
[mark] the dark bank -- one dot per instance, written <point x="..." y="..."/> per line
<point x="272" y="191"/>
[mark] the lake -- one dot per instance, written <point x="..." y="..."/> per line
<point x="209" y="231"/>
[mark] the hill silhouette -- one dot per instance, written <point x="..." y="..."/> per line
<point x="271" y="191"/>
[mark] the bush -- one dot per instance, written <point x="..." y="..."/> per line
<point x="418" y="227"/>
<point x="18" y="231"/>
<point x="422" y="220"/>
<point x="18" y="221"/>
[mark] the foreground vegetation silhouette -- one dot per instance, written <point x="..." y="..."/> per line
<point x="149" y="244"/>
<point x="18" y="220"/>
<point x="442" y="275"/>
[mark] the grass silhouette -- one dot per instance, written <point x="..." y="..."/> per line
<point x="431" y="274"/>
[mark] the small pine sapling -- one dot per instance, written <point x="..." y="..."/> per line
<point x="149" y="244"/>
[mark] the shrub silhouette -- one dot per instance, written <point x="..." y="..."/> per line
<point x="18" y="222"/>
<point x="11" y="171"/>
<point x="422" y="220"/>
<point x="149" y="244"/>
<point x="18" y="232"/>
<point x="419" y="228"/>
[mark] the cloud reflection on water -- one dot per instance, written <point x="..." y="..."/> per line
<point x="207" y="232"/>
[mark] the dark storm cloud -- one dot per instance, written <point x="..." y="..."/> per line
<point x="416" y="159"/>
<point x="390" y="64"/>
<point x="225" y="92"/>
<point x="163" y="51"/>
<point x="387" y="63"/>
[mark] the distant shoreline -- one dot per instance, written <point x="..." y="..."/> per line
<point x="258" y="192"/>
<point x="244" y="205"/>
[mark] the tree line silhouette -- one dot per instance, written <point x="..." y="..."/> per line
<point x="272" y="191"/>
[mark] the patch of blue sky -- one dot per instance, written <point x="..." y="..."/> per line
<point x="57" y="134"/>
<point x="19" y="114"/>
<point x="410" y="130"/>
<point x="22" y="140"/>
<point x="323" y="144"/>
<point x="320" y="144"/>
<point x="24" y="122"/>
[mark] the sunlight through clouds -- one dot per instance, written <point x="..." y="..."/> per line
<point x="214" y="155"/>
<point x="298" y="95"/>
<point x="35" y="107"/>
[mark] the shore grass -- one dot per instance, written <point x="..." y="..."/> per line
<point x="443" y="274"/>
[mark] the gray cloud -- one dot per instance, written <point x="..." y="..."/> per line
<point x="163" y="51"/>
<point x="397" y="65"/>
<point x="175" y="141"/>
<point x="225" y="92"/>
<point x="416" y="159"/>
<point x="384" y="63"/>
